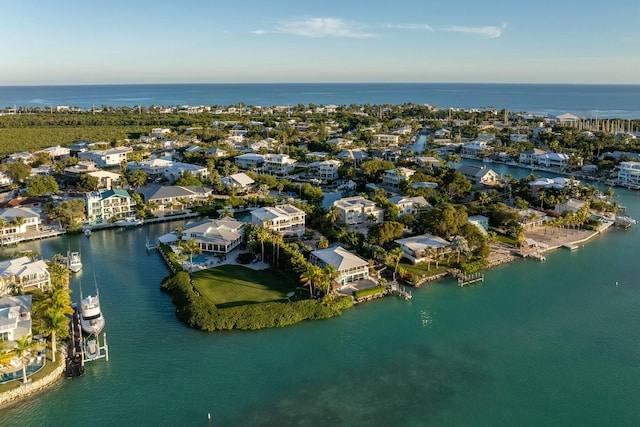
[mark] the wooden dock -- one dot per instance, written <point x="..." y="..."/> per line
<point x="467" y="279"/>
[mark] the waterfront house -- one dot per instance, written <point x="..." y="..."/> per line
<point x="427" y="162"/>
<point x="173" y="195"/>
<point x="17" y="221"/>
<point x="103" y="205"/>
<point x="530" y="156"/>
<point x="169" y="169"/>
<point x="219" y="236"/>
<point x="479" y="174"/>
<point x="5" y="179"/>
<point x="571" y="205"/>
<point x="629" y="174"/>
<point x="240" y="181"/>
<point x="15" y="317"/>
<point x="476" y="149"/>
<point x="286" y="219"/>
<point x="358" y="213"/>
<point x="23" y="274"/>
<point x="350" y="267"/>
<point x="419" y="249"/>
<point x="557" y="160"/>
<point x="56" y="152"/>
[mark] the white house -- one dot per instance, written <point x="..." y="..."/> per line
<point x="351" y="267"/>
<point x="15" y="317"/>
<point x="326" y="170"/>
<point x="475" y="148"/>
<point x="247" y="161"/>
<point x="480" y="221"/>
<point x="410" y="205"/>
<point x="240" y="181"/>
<point x="419" y="249"/>
<point x="479" y="175"/>
<point x="386" y="140"/>
<point x="105" y="158"/>
<point x="278" y="162"/>
<point x="393" y="178"/>
<point x="559" y="160"/>
<point x="172" y="195"/>
<point x="24" y="274"/>
<point x="530" y="156"/>
<point x="215" y="235"/>
<point x="106" y="179"/>
<point x="358" y="213"/>
<point x="18" y="220"/>
<point x="285" y="219"/>
<point x="629" y="173"/>
<point x="105" y="204"/>
<point x="56" y="152"/>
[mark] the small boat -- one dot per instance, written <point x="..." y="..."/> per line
<point x="91" y="318"/>
<point x="92" y="349"/>
<point x="624" y="221"/>
<point x="74" y="263"/>
<point x="130" y="221"/>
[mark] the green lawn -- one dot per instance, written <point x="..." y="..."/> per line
<point x="233" y="285"/>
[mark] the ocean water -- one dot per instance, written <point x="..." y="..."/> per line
<point x="602" y="101"/>
<point x="554" y="343"/>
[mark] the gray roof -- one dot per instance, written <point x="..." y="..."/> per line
<point x="173" y="191"/>
<point x="340" y="258"/>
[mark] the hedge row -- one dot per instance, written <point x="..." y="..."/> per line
<point x="197" y="313"/>
<point x="369" y="291"/>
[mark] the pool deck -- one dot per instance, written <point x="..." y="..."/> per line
<point x="215" y="261"/>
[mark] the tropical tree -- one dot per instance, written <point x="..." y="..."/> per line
<point x="323" y="243"/>
<point x="190" y="247"/>
<point x="395" y="255"/>
<point x="331" y="273"/>
<point x="137" y="178"/>
<point x="311" y="277"/>
<point x="459" y="244"/>
<point x="22" y="350"/>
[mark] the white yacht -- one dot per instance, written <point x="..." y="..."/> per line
<point x="91" y="318"/>
<point x="74" y="263"/>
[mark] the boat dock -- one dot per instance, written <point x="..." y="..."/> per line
<point x="467" y="279"/>
<point x="83" y="349"/>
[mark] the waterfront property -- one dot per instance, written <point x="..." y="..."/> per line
<point x="629" y="174"/>
<point x="17" y="221"/>
<point x="241" y="182"/>
<point x="393" y="178"/>
<point x="419" y="249"/>
<point x="106" y="204"/>
<point x="106" y="158"/>
<point x="479" y="174"/>
<point x="15" y="317"/>
<point x="351" y="267"/>
<point x="169" y="196"/>
<point x="219" y="236"/>
<point x="22" y="274"/>
<point x="285" y="219"/>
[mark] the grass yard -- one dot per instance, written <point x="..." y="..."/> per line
<point x="233" y="285"/>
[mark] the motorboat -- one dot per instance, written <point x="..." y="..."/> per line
<point x="130" y="221"/>
<point x="74" y="263"/>
<point x="91" y="318"/>
<point x="92" y="349"/>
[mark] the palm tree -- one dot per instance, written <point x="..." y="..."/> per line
<point x="430" y="252"/>
<point x="459" y="244"/>
<point x="331" y="273"/>
<point x="190" y="247"/>
<point x="311" y="276"/>
<point x="23" y="349"/>
<point x="58" y="325"/>
<point x="6" y="354"/>
<point x="395" y="255"/>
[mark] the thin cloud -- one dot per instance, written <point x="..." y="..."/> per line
<point x="488" y="32"/>
<point x="319" y="27"/>
<point x="411" y="27"/>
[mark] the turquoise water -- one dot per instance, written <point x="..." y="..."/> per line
<point x="553" y="344"/>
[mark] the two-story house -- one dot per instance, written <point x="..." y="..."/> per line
<point x="106" y="204"/>
<point x="350" y="267"/>
<point x="285" y="219"/>
<point x="358" y="213"/>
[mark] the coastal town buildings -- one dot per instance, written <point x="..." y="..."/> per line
<point x="17" y="221"/>
<point x="394" y="178"/>
<point x="167" y="197"/>
<point x="107" y="158"/>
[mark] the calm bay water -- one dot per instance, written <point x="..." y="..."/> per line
<point x="553" y="343"/>
<point x="620" y="101"/>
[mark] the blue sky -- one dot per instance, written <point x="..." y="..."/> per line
<point x="200" y="41"/>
